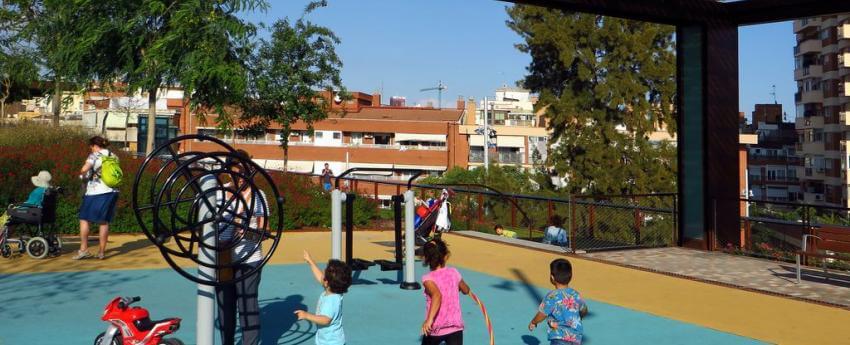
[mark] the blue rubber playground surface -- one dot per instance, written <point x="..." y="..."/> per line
<point x="65" y="308"/>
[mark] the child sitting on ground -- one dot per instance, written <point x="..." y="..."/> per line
<point x="504" y="233"/>
<point x="563" y="306"/>
<point x="335" y="279"/>
<point x="443" y="319"/>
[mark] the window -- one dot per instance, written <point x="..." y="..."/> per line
<point x="319" y="135"/>
<point x="337" y="135"/>
<point x="356" y="138"/>
<point x="382" y="139"/>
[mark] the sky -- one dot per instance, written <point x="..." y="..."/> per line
<point x="399" y="47"/>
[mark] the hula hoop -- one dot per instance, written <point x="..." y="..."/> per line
<point x="486" y="317"/>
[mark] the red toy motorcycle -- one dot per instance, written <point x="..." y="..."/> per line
<point x="133" y="326"/>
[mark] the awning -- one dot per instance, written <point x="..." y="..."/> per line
<point x="476" y="140"/>
<point x="439" y="138"/>
<point x="421" y="167"/>
<point x="371" y="165"/>
<point x="510" y="141"/>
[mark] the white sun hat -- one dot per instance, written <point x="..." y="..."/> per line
<point x="42" y="179"/>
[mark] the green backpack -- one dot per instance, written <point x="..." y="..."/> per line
<point x="110" y="171"/>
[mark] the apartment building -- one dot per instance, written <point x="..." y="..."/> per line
<point x="772" y="163"/>
<point x="361" y="132"/>
<point x="822" y="72"/>
<point x="521" y="137"/>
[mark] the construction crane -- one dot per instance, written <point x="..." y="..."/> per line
<point x="440" y="88"/>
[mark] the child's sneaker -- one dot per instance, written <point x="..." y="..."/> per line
<point x="100" y="256"/>
<point x="81" y="255"/>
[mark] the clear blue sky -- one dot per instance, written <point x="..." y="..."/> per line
<point x="404" y="46"/>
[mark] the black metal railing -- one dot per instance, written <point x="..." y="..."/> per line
<point x="774" y="230"/>
<point x="590" y="223"/>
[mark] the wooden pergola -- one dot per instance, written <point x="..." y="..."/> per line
<point x="707" y="73"/>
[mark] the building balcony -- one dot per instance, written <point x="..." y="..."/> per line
<point x="844" y="59"/>
<point x="813" y="96"/>
<point x="811" y="71"/>
<point x="806" y="24"/>
<point x="808" y="46"/>
<point x="362" y="146"/>
<point x="844" y="31"/>
<point x="813" y="147"/>
<point x="813" y="197"/>
<point x="809" y="122"/>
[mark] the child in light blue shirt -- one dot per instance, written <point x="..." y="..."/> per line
<point x="335" y="279"/>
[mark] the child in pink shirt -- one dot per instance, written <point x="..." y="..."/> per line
<point x="443" y="319"/>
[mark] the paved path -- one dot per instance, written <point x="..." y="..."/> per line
<point x="758" y="274"/>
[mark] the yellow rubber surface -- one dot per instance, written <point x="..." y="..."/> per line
<point x="767" y="318"/>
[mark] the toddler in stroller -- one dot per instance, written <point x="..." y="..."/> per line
<point x="433" y="216"/>
<point x="39" y="209"/>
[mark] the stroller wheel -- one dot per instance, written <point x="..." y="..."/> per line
<point x="170" y="341"/>
<point x="6" y="250"/>
<point x="37" y="247"/>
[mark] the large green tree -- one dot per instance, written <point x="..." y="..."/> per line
<point x="70" y="44"/>
<point x="606" y="84"/>
<point x="288" y="74"/>
<point x="198" y="45"/>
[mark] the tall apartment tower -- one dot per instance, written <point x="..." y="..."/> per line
<point x="822" y="72"/>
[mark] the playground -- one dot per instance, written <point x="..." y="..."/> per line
<point x="60" y="300"/>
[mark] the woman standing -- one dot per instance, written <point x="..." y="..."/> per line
<point x="246" y="254"/>
<point x="99" y="201"/>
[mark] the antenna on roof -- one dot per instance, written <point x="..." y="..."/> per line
<point x="440" y="88"/>
<point x="773" y="93"/>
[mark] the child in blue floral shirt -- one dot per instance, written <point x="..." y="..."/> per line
<point x="563" y="307"/>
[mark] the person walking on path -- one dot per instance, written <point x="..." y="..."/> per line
<point x="98" y="205"/>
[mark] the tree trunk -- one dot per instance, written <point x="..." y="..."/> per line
<point x="126" y="133"/>
<point x="57" y="101"/>
<point x="285" y="157"/>
<point x="7" y="85"/>
<point x="151" y="120"/>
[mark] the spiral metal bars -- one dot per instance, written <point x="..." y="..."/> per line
<point x="221" y="191"/>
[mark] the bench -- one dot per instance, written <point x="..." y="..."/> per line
<point x="833" y="239"/>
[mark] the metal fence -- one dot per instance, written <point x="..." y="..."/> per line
<point x="774" y="230"/>
<point x="590" y="222"/>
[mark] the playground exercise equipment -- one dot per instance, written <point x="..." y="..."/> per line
<point x="401" y="261"/>
<point x="188" y="204"/>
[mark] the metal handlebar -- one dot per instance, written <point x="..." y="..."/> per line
<point x="416" y="174"/>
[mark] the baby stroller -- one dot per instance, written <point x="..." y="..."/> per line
<point x="433" y="216"/>
<point x="39" y="242"/>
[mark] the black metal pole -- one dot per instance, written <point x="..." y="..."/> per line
<point x="397" y="199"/>
<point x="349" y="227"/>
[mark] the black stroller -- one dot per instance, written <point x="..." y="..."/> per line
<point x="41" y="239"/>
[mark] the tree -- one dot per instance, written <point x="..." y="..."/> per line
<point x="606" y="84"/>
<point x="71" y="43"/>
<point x="199" y="45"/>
<point x="17" y="69"/>
<point x="286" y="75"/>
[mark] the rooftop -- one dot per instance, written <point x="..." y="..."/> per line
<point x="403" y="114"/>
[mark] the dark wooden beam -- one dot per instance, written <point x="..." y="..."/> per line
<point x="764" y="11"/>
<point x="661" y="11"/>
